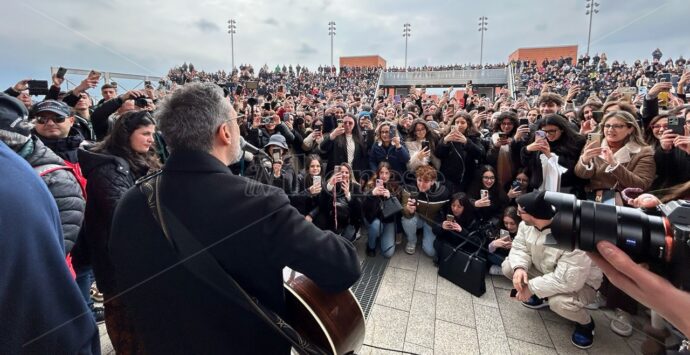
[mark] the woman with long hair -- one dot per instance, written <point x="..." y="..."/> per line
<point x="383" y="185"/>
<point x="506" y="142"/>
<point x="487" y="196"/>
<point x="310" y="187"/>
<point x="457" y="229"/>
<point x="500" y="246"/>
<point x="340" y="205"/>
<point x="111" y="168"/>
<point x="421" y="144"/>
<point x="560" y="147"/>
<point x="388" y="147"/>
<point x="459" y="151"/>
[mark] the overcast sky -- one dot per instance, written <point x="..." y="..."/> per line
<point x="148" y="37"/>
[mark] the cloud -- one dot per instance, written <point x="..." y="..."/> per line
<point x="541" y="27"/>
<point x="76" y="24"/>
<point x="306" y="49"/>
<point x="206" y="26"/>
<point x="271" y="21"/>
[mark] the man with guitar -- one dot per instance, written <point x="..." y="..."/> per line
<point x="180" y="301"/>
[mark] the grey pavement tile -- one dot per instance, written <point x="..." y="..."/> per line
<point x="420" y="324"/>
<point x="560" y="334"/>
<point x="455" y="306"/>
<point x="635" y="342"/>
<point x="490" y="331"/>
<point x="402" y="260"/>
<point x="396" y="289"/>
<point x="414" y="348"/>
<point x="548" y="315"/>
<point x="427" y="274"/>
<point x="521" y="322"/>
<point x="519" y="347"/>
<point x="605" y="340"/>
<point x="501" y="282"/>
<point x="489" y="297"/>
<point x="454" y="339"/>
<point x="385" y="328"/>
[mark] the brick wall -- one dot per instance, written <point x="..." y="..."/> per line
<point x="362" y="61"/>
<point x="539" y="54"/>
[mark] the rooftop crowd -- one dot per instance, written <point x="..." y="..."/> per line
<point x="341" y="150"/>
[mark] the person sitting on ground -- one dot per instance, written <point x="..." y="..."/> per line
<point x="565" y="281"/>
<point x="500" y="246"/>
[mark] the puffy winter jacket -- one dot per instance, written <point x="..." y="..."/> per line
<point x="109" y="178"/>
<point x="63" y="186"/>
<point x="563" y="271"/>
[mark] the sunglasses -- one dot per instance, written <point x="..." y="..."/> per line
<point x="44" y="120"/>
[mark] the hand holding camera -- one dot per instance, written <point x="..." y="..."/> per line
<point x="592" y="149"/>
<point x="521" y="133"/>
<point x="607" y="156"/>
<point x="667" y="140"/>
<point x="411" y="206"/>
<point x="396" y="141"/>
<point x="659" y="88"/>
<point x="682" y="143"/>
<point x="340" y="130"/>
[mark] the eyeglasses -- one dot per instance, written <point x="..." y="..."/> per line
<point x="660" y="126"/>
<point x="551" y="131"/>
<point x="348" y="123"/>
<point x="55" y="119"/>
<point x="385" y="132"/>
<point x="615" y="126"/>
<point x="489" y="177"/>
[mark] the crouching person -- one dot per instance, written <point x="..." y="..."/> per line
<point x="549" y="277"/>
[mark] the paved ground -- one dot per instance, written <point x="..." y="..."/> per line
<point x="416" y="311"/>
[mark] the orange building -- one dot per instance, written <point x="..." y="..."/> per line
<point x="363" y="61"/>
<point x="539" y="54"/>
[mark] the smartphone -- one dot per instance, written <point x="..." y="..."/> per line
<point x="540" y="134"/>
<point x="665" y="77"/>
<point x="484" y="193"/>
<point x="275" y="154"/>
<point x="594" y="137"/>
<point x="450" y="218"/>
<point x="516" y="185"/>
<point x="94" y="75"/>
<point x="524" y="122"/>
<point x="38" y="87"/>
<point x="598" y="115"/>
<point x="513" y="293"/>
<point x="340" y="122"/>
<point x="61" y="73"/>
<point x="502" y="135"/>
<point x="481" y="109"/>
<point x="504" y="234"/>
<point x="676" y="124"/>
<point x="316" y="180"/>
<point x="379" y="183"/>
<point x="425" y="144"/>
<point x="336" y="169"/>
<point x="663" y="98"/>
<point x="141" y="102"/>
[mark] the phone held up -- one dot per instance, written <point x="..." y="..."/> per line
<point x="61" y="73"/>
<point x="425" y="144"/>
<point x="484" y="193"/>
<point x="676" y="124"/>
<point x="379" y="183"/>
<point x="594" y="137"/>
<point x="540" y="134"/>
<point x="450" y="218"/>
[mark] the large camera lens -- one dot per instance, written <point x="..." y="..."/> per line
<point x="582" y="224"/>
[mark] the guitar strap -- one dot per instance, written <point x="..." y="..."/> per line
<point x="197" y="260"/>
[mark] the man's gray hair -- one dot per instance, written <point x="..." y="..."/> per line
<point x="188" y="119"/>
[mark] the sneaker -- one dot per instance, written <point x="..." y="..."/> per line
<point x="410" y="248"/>
<point x="96" y="295"/>
<point x="583" y="335"/>
<point x="535" y="302"/>
<point x="598" y="301"/>
<point x="622" y="324"/>
<point x="398" y="238"/>
<point x="371" y="252"/>
<point x="98" y="314"/>
<point x="496" y="270"/>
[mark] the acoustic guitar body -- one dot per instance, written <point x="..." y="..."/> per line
<point x="334" y="322"/>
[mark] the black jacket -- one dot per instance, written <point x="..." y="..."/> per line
<point x="460" y="161"/>
<point x="672" y="168"/>
<point x="254" y="238"/>
<point x="567" y="158"/>
<point x="109" y="178"/>
<point x="335" y="152"/>
<point x="65" y="190"/>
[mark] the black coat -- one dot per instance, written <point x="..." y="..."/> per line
<point x="460" y="161"/>
<point x="567" y="158"/>
<point x="264" y="234"/>
<point x="335" y="152"/>
<point x="109" y="177"/>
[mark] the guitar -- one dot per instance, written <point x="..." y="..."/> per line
<point x="333" y="321"/>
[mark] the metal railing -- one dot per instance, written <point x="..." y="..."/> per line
<point x="446" y="78"/>
<point x="107" y="77"/>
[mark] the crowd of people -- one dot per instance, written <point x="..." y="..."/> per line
<point x="355" y="161"/>
<point x="447" y="67"/>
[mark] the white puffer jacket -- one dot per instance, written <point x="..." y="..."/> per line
<point x="563" y="271"/>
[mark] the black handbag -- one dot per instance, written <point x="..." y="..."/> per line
<point x="462" y="268"/>
<point x="390" y="206"/>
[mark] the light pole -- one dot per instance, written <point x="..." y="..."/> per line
<point x="482" y="28"/>
<point x="331" y="32"/>
<point x="232" y="30"/>
<point x="406" y="33"/>
<point x="592" y="8"/>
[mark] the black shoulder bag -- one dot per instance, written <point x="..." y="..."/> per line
<point x="462" y="268"/>
<point x="203" y="265"/>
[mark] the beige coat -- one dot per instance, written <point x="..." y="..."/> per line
<point x="563" y="271"/>
<point x="636" y="169"/>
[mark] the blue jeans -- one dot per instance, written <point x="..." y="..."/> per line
<point x="385" y="231"/>
<point x="410" y="226"/>
<point x="84" y="280"/>
<point x="494" y="259"/>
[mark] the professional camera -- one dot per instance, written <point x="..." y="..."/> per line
<point x="661" y="239"/>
